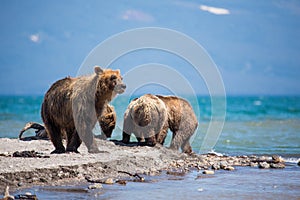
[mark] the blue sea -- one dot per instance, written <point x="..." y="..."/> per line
<point x="260" y="125"/>
<point x="253" y="125"/>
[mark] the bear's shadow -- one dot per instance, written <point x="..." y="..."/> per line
<point x="130" y="144"/>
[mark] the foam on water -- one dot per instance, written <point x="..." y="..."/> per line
<point x="292" y="160"/>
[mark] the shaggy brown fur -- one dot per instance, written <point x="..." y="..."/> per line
<point x="73" y="105"/>
<point x="108" y="121"/>
<point x="180" y="119"/>
<point x="145" y="117"/>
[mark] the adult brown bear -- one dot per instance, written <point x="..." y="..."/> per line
<point x="73" y="106"/>
<point x="150" y="116"/>
<point x="182" y="121"/>
<point x="145" y="118"/>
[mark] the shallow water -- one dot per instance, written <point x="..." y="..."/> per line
<point x="243" y="183"/>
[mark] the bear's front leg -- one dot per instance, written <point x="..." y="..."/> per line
<point x="93" y="148"/>
<point x="150" y="141"/>
<point x="91" y="144"/>
<point x="125" y="137"/>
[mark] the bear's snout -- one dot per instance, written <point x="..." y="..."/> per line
<point x="120" y="88"/>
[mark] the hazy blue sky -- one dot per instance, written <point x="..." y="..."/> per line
<point x="255" y="44"/>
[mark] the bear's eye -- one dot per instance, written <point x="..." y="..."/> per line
<point x="112" y="77"/>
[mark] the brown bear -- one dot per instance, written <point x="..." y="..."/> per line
<point x="145" y="117"/>
<point x="73" y="106"/>
<point x="180" y="119"/>
<point x="107" y="123"/>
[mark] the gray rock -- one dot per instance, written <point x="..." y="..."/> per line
<point x="277" y="159"/>
<point x="253" y="164"/>
<point x="229" y="168"/>
<point x="277" y="165"/>
<point x="95" y="186"/>
<point x="109" y="181"/>
<point x="216" y="166"/>
<point x="223" y="164"/>
<point x="263" y="165"/>
<point x="208" y="172"/>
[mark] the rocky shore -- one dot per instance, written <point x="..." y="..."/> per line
<point x="28" y="163"/>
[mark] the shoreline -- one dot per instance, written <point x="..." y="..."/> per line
<point x="57" y="169"/>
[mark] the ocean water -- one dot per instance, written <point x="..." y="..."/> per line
<point x="260" y="125"/>
<point x="253" y="125"/>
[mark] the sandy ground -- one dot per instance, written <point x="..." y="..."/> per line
<point x="53" y="168"/>
<point x="56" y="169"/>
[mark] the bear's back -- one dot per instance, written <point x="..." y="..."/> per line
<point x="179" y="112"/>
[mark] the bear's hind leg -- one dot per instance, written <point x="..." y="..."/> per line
<point x="73" y="141"/>
<point x="176" y="140"/>
<point x="55" y="135"/>
<point x="151" y="141"/>
<point x="186" y="147"/>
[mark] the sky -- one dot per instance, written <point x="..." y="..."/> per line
<point x="255" y="45"/>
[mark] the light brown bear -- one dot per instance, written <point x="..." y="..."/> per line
<point x="73" y="106"/>
<point x="145" y="117"/>
<point x="181" y="120"/>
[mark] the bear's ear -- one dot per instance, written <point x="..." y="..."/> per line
<point x="98" y="70"/>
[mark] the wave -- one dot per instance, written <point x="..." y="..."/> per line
<point x="292" y="160"/>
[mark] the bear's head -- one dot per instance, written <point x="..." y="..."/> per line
<point x="110" y="80"/>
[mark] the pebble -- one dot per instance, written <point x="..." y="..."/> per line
<point x="263" y="158"/>
<point x="229" y="168"/>
<point x="277" y="159"/>
<point x="215" y="166"/>
<point x="121" y="182"/>
<point x="253" y="164"/>
<point x="208" y="172"/>
<point x="277" y="165"/>
<point x="180" y="163"/>
<point x="263" y="165"/>
<point x="175" y="172"/>
<point x="223" y="164"/>
<point x="95" y="186"/>
<point x="43" y="180"/>
<point x="109" y="181"/>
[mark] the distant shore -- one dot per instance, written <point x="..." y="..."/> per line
<point x="29" y="163"/>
